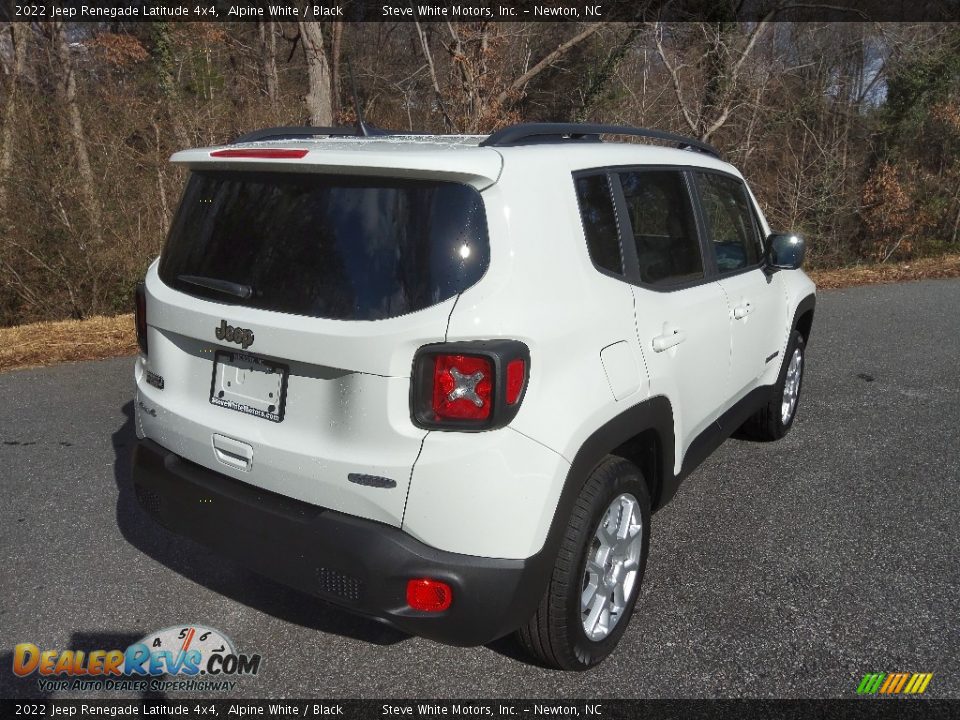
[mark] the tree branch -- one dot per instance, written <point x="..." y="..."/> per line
<point x="561" y="50"/>
<point x="691" y="121"/>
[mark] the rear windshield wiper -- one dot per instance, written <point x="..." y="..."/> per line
<point x="225" y="286"/>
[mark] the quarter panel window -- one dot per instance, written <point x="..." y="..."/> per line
<point x="599" y="222"/>
<point x="730" y="222"/>
<point x="663" y="226"/>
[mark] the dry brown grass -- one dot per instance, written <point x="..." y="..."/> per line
<point x="941" y="267"/>
<point x="48" y="343"/>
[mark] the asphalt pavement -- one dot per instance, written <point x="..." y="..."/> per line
<point x="787" y="569"/>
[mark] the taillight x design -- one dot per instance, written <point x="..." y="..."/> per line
<point x="468" y="385"/>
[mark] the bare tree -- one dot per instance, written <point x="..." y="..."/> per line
<point x="18" y="39"/>
<point x="319" y="98"/>
<point x="268" y="53"/>
<point x="68" y="95"/>
<point x="708" y="109"/>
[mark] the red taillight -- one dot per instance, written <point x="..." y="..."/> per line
<point x="429" y="595"/>
<point x="140" y="317"/>
<point x="261" y="153"/>
<point x="462" y="386"/>
<point x="516" y="375"/>
<point x="468" y="386"/>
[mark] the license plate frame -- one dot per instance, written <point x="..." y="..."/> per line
<point x="264" y="375"/>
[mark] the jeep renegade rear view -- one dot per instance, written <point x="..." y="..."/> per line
<point x="444" y="381"/>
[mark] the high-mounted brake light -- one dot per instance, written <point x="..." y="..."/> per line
<point x="429" y="595"/>
<point x="468" y="386"/>
<point x="140" y="316"/>
<point x="261" y="153"/>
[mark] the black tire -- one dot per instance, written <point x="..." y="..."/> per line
<point x="767" y="423"/>
<point x="555" y="635"/>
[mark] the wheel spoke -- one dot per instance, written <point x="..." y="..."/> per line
<point x="607" y="536"/>
<point x="587" y="596"/>
<point x="619" y="599"/>
<point x="596" y="611"/>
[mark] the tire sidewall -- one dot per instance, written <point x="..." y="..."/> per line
<point x="589" y="652"/>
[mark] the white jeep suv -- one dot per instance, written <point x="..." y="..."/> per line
<point x="443" y="381"/>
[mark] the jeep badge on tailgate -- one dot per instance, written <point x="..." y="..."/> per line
<point x="241" y="336"/>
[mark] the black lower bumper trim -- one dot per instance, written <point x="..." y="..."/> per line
<point x="359" y="564"/>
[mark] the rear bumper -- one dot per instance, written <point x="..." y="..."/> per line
<point x="358" y="564"/>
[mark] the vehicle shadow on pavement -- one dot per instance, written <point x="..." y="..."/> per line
<point x="223" y="576"/>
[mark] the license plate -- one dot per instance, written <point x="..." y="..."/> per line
<point x="249" y="385"/>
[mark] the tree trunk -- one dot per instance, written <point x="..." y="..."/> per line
<point x="319" y="101"/>
<point x="18" y="38"/>
<point x="268" y="55"/>
<point x="336" y="44"/>
<point x="68" y="93"/>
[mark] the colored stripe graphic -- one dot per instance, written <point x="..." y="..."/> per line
<point x="918" y="683"/>
<point x="894" y="683"/>
<point x="870" y="683"/>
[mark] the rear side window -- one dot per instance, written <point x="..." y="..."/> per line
<point x="599" y="222"/>
<point x="325" y="246"/>
<point x="731" y="225"/>
<point x="663" y="226"/>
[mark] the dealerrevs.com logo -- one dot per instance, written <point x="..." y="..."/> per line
<point x="198" y="657"/>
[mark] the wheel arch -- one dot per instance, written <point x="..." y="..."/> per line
<point x="642" y="434"/>
<point x="633" y="434"/>
<point x="803" y="317"/>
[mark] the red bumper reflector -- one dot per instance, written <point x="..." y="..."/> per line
<point x="261" y="153"/>
<point x="428" y="595"/>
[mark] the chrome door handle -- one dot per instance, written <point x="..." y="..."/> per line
<point x="741" y="311"/>
<point x="668" y="340"/>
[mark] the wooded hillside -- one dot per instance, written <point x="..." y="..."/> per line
<point x="848" y="133"/>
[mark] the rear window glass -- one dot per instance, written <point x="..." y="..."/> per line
<point x="599" y="222"/>
<point x="327" y="246"/>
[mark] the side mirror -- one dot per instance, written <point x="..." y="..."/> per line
<point x="785" y="251"/>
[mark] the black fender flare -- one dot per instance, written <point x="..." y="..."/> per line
<point x="809" y="303"/>
<point x="652" y="414"/>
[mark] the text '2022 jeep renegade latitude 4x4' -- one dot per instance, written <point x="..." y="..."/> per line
<point x="443" y="381"/>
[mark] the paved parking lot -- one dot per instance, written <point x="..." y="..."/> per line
<point x="780" y="570"/>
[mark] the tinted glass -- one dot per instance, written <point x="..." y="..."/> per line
<point x="599" y="222"/>
<point x="664" y="230"/>
<point x="730" y="221"/>
<point x="327" y="246"/>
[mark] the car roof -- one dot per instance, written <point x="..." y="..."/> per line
<point x="459" y="157"/>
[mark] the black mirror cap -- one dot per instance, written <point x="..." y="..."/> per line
<point x="786" y="251"/>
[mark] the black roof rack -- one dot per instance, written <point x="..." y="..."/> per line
<point x="289" y="133"/>
<point x="537" y="133"/>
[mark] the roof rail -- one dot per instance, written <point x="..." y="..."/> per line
<point x="289" y="133"/>
<point x="537" y="133"/>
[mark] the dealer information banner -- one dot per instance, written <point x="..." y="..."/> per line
<point x="367" y="709"/>
<point x="467" y="10"/>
